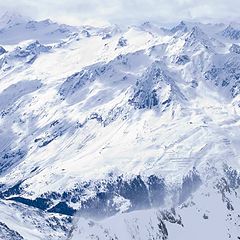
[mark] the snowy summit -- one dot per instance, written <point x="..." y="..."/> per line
<point x="119" y="133"/>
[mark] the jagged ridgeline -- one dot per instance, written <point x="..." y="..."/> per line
<point x="124" y="134"/>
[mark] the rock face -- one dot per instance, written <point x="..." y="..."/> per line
<point x="235" y="49"/>
<point x="112" y="134"/>
<point x="231" y="33"/>
<point x="8" y="234"/>
<point x="2" y="50"/>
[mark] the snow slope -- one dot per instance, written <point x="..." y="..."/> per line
<point x="118" y="126"/>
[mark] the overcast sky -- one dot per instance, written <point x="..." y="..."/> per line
<point x="124" y="11"/>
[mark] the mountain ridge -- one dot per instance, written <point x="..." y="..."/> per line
<point x="103" y="124"/>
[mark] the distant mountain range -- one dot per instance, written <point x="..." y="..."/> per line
<point x="125" y="134"/>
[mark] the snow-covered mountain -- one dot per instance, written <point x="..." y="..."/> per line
<point x="110" y="133"/>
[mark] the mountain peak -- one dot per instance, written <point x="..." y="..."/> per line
<point x="11" y="18"/>
<point x="109" y="122"/>
<point x="232" y="31"/>
<point x="182" y="26"/>
<point x="197" y="32"/>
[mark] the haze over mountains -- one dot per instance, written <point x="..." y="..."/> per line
<point x="111" y="133"/>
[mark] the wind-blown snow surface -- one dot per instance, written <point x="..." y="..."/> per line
<point x="119" y="134"/>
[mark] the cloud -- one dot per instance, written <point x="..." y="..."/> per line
<point x="125" y="11"/>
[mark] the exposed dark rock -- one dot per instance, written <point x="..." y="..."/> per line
<point x="2" y="50"/>
<point x="157" y="190"/>
<point x="136" y="191"/>
<point x="14" y="190"/>
<point x="235" y="49"/>
<point x="39" y="203"/>
<point x="139" y="193"/>
<point x="162" y="227"/>
<point x="190" y="184"/>
<point x="205" y="216"/>
<point x="63" y="208"/>
<point x="182" y="59"/>
<point x="233" y="177"/>
<point x="8" y="159"/>
<point x="8" y="234"/>
<point x="122" y="42"/>
<point x="180" y="27"/>
<point x="230" y="206"/>
<point x="231" y="33"/>
<point x="170" y="216"/>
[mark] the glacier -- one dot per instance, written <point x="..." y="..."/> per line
<point x="119" y="132"/>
